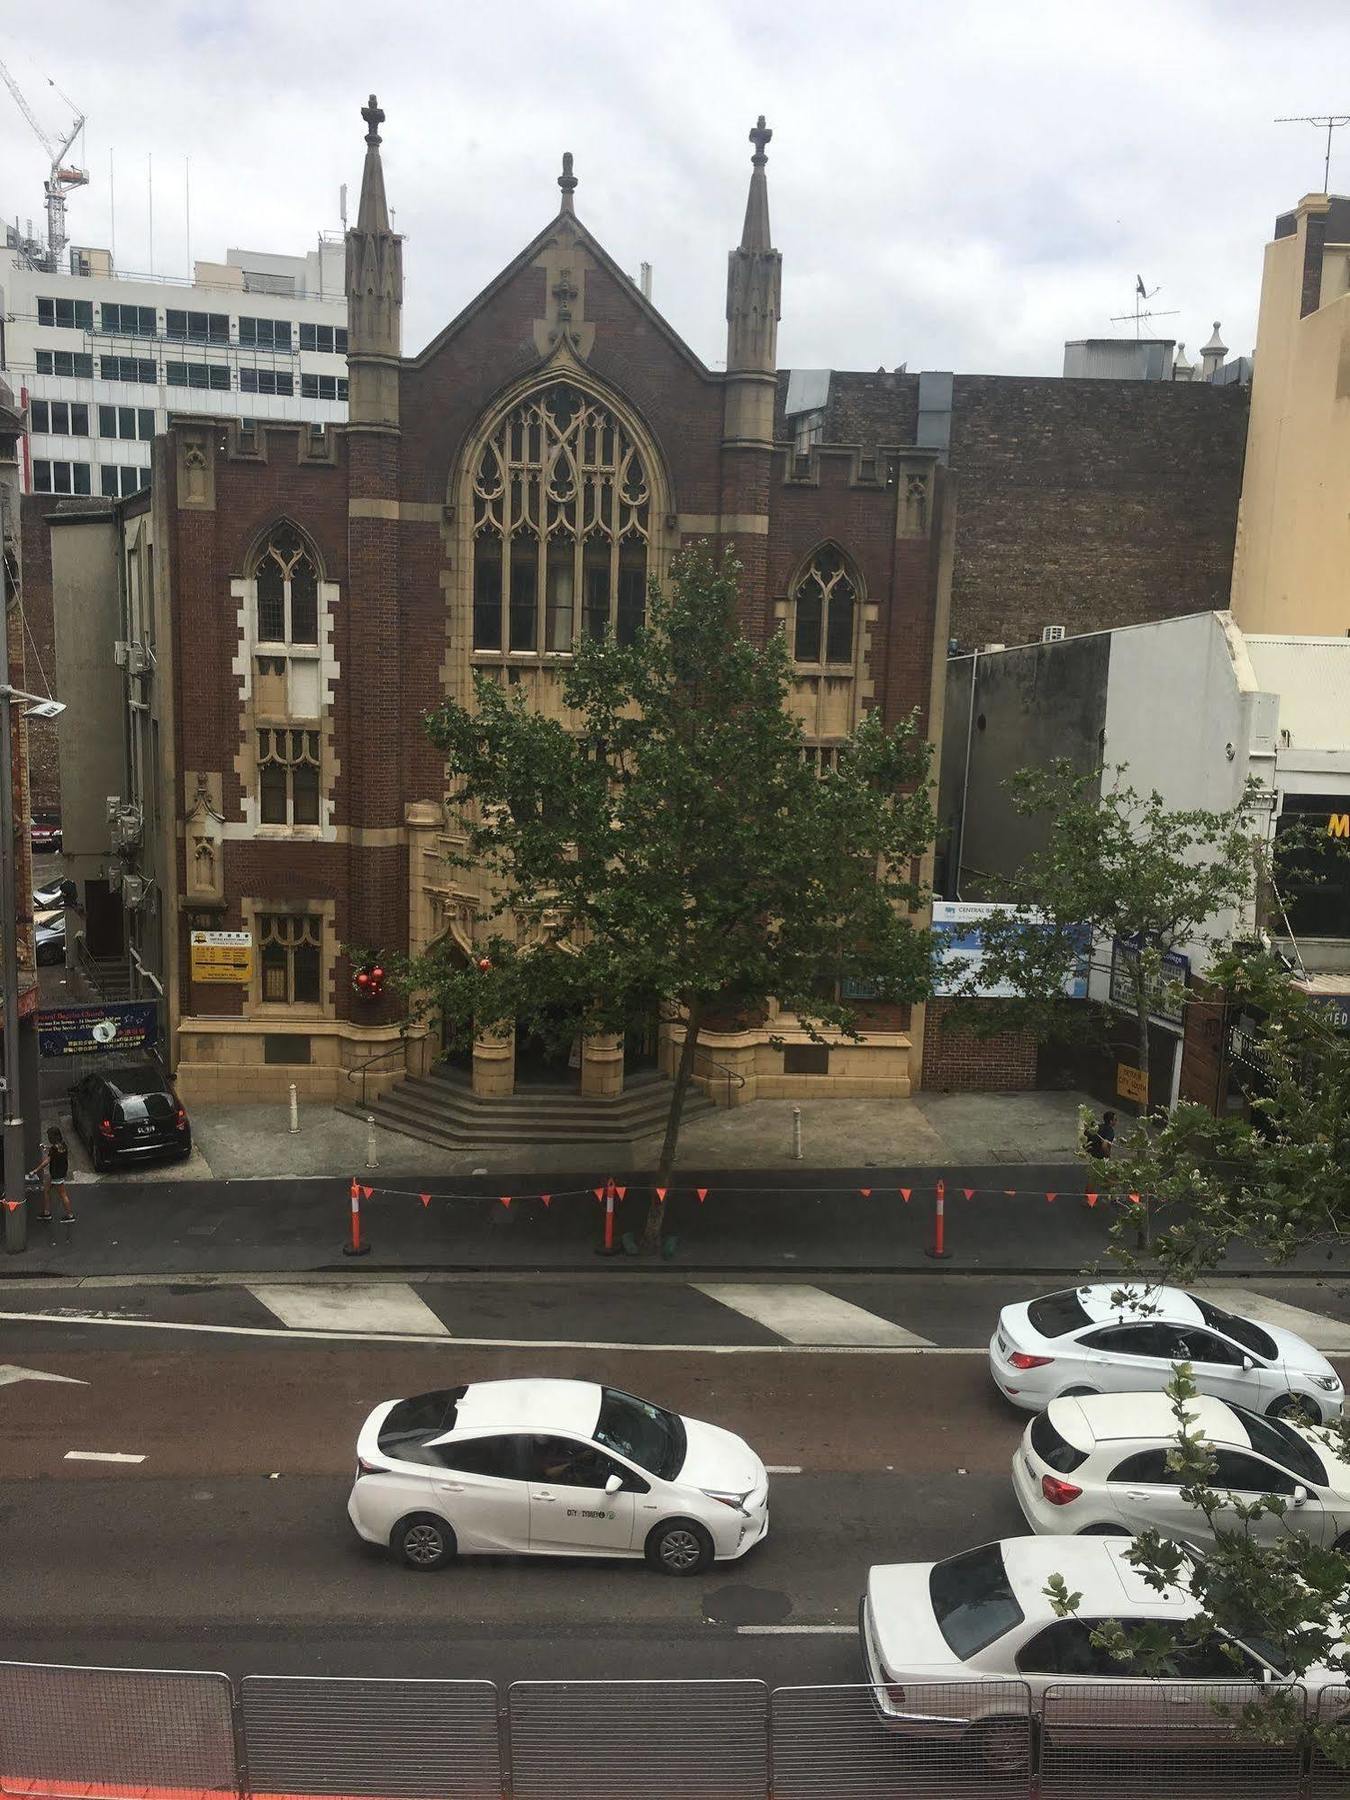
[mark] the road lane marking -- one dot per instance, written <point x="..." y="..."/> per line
<point x="806" y="1315"/>
<point x="377" y="1306"/>
<point x="10" y="1372"/>
<point x="486" y="1343"/>
<point x="1326" y="1333"/>
<point x="117" y="1456"/>
<point x="782" y="1468"/>
<point x="797" y="1631"/>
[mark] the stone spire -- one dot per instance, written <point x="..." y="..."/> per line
<point x="754" y="275"/>
<point x="1212" y="355"/>
<point x="374" y="294"/>
<point x="567" y="181"/>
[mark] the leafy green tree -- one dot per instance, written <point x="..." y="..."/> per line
<point x="671" y="847"/>
<point x="1124" y="865"/>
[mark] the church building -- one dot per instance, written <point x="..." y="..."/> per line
<point x="304" y="594"/>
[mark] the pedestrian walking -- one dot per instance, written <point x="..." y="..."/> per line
<point x="54" y="1169"/>
<point x="1097" y="1142"/>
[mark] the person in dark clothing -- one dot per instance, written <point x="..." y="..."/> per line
<point x="54" y="1168"/>
<point x="1097" y="1142"/>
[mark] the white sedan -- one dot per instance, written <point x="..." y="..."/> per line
<point x="983" y="1617"/>
<point x="557" y="1468"/>
<point x="1099" y="1465"/>
<point x="1126" y="1339"/>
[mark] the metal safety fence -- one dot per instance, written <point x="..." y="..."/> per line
<point x="145" y="1734"/>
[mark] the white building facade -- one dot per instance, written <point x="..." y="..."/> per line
<point x="100" y="359"/>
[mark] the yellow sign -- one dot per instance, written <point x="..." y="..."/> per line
<point x="1338" y="825"/>
<point x="1132" y="1083"/>
<point x="222" y="956"/>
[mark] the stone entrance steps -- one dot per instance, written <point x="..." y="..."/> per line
<point x="442" y="1109"/>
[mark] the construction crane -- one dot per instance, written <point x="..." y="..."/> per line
<point x="62" y="177"/>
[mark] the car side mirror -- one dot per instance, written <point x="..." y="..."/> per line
<point x="1300" y="1495"/>
<point x="613" y="1485"/>
<point x="1247" y="1363"/>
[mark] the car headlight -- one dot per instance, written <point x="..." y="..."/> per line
<point x="735" y="1501"/>
<point x="1327" y="1383"/>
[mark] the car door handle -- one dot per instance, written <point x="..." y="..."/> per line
<point x="543" y="1494"/>
<point x="450" y="1487"/>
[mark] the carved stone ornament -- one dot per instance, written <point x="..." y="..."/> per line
<point x="196" y="470"/>
<point x="204" y="837"/>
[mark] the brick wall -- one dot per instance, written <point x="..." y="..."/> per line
<point x="956" y="1060"/>
<point x="44" y="774"/>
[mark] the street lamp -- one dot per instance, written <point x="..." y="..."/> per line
<point x="35" y="706"/>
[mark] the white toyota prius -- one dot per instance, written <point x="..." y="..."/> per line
<point x="557" y="1468"/>
<point x="1114" y="1338"/>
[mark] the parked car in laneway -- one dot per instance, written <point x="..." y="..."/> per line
<point x="49" y="939"/>
<point x="55" y="896"/>
<point x="44" y="831"/>
<point x="1098" y="1465"/>
<point x="555" y="1468"/>
<point x="129" y="1114"/>
<point x="984" y="1615"/>
<point x="1117" y="1338"/>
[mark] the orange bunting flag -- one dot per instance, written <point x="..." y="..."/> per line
<point x="702" y="1194"/>
<point x="599" y="1193"/>
<point x="13" y="1205"/>
<point x="969" y="1193"/>
<point x="1050" y="1198"/>
<point x="425" y="1199"/>
<point x="506" y="1199"/>
<point x="1091" y="1199"/>
<point x="905" y="1194"/>
<point x="621" y="1192"/>
<point x="1135" y="1200"/>
<point x="366" y="1193"/>
<point x="547" y="1199"/>
<point x="866" y="1193"/>
<point x="661" y="1194"/>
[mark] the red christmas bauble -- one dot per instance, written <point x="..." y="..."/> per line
<point x="377" y="973"/>
<point x="485" y="963"/>
<point x="363" y="980"/>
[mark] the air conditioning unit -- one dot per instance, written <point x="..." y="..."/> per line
<point x="133" y="891"/>
<point x="120" y="650"/>
<point x="1051" y="634"/>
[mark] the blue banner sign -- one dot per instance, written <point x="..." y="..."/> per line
<point x="115" y="1027"/>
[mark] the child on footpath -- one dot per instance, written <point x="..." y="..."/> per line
<point x="54" y="1168"/>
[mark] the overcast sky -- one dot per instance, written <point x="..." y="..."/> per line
<point x="961" y="184"/>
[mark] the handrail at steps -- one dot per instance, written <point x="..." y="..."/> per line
<point x="721" y="1068"/>
<point x="398" y="1048"/>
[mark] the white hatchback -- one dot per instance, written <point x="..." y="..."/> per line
<point x="1119" y="1338"/>
<point x="556" y="1468"/>
<point x="1098" y="1466"/>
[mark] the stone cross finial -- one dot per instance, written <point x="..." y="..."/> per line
<point x="567" y="181"/>
<point x="759" y="137"/>
<point x="373" y="114"/>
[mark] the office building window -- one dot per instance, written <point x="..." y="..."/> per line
<point x="323" y="387"/>
<point x="290" y="956"/>
<point x="265" y="334"/>
<point x="332" y="340"/>
<point x="72" y="315"/>
<point x="288" y="775"/>
<point x="117" y="481"/>
<point x="60" y="418"/>
<point x="265" y="381"/>
<point x="67" y="362"/>
<point x="138" y="321"/>
<point x="128" y="368"/>
<point x="60" y="477"/>
<point x="198" y="375"/>
<point x="126" y="422"/>
<point x="197" y="327"/>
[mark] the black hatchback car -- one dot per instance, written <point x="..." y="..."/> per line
<point x="129" y="1114"/>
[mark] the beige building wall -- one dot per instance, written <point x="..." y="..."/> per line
<point x="1292" y="565"/>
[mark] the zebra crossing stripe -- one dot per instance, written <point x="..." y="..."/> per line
<point x="807" y="1315"/>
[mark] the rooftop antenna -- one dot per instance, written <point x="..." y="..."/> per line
<point x="1327" y="122"/>
<point x="1141" y="293"/>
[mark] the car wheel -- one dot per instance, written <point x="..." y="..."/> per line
<point x="679" y="1547"/>
<point x="1104" y="1530"/>
<point x="1000" y="1746"/>
<point x="422" y="1541"/>
<point x="1295" y="1407"/>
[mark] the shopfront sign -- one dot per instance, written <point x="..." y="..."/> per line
<point x="110" y="1027"/>
<point x="1167" y="995"/>
<point x="222" y="956"/>
<point x="958" y="932"/>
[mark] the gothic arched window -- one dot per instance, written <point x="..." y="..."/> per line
<point x="825" y="608"/>
<point x="288" y="590"/>
<point x="561" y="523"/>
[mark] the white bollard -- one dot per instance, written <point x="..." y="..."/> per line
<point x="796" y="1134"/>
<point x="372" y="1152"/>
<point x="295" y="1109"/>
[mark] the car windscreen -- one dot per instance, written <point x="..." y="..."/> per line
<point x="972" y="1600"/>
<point x="409" y="1423"/>
<point x="1055" y="1314"/>
<point x="1052" y="1448"/>
<point x="648" y="1435"/>
<point x="1282" y="1444"/>
<point x="1242" y="1331"/>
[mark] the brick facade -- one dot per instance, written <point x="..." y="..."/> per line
<point x="958" y="1060"/>
<point x="40" y="648"/>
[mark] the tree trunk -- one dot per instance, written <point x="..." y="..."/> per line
<point x="656" y="1212"/>
<point x="1143" y="1228"/>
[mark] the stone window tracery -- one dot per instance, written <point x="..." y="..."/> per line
<point x="288" y="590"/>
<point x="825" y="604"/>
<point x="562" y="505"/>
<point x="290" y="958"/>
<point x="288" y="776"/>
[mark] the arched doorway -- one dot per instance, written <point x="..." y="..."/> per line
<point x="548" y="1049"/>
